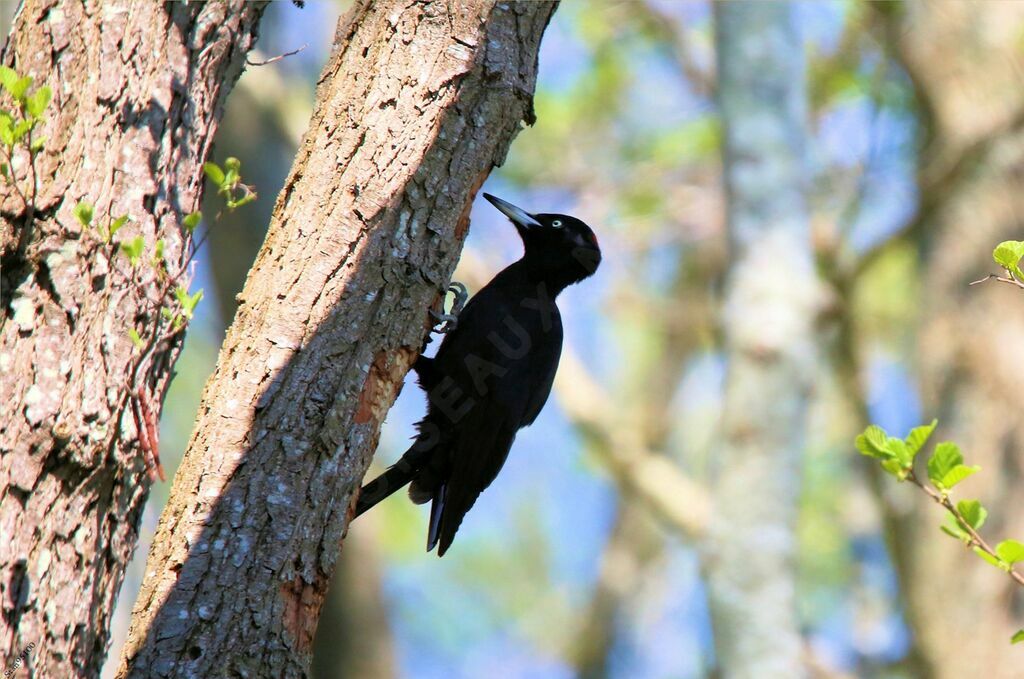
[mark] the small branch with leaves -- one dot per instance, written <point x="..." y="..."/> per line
<point x="163" y="288"/>
<point x="1008" y="255"/>
<point x="229" y="183"/>
<point x="17" y="126"/>
<point x="946" y="469"/>
<point x="171" y="307"/>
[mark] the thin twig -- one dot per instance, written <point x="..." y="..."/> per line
<point x="1011" y="279"/>
<point x="279" y="57"/>
<point x="975" y="539"/>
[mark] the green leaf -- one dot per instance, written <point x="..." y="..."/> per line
<point x="158" y="252"/>
<point x="1002" y="565"/>
<point x="37" y="144"/>
<point x="953" y="529"/>
<point x="133" y="249"/>
<point x="232" y="173"/>
<point x="166" y="313"/>
<point x="919" y="436"/>
<point x="188" y="302"/>
<point x="83" y="212"/>
<point x="115" y="226"/>
<point x="133" y="334"/>
<point x="21" y="128"/>
<point x="213" y="171"/>
<point x="896" y="468"/>
<point x="957" y="474"/>
<point x="972" y="512"/>
<point x="6" y="129"/>
<point x="1008" y="255"/>
<point x="943" y="460"/>
<point x="874" y="443"/>
<point x="5" y="171"/>
<point x="900" y="451"/>
<point x="20" y="87"/>
<point x="38" y="101"/>
<point x="191" y="221"/>
<point x="1010" y="551"/>
<point x="7" y="78"/>
<point x="244" y="200"/>
<point x="1018" y="637"/>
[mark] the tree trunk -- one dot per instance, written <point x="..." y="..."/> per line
<point x="770" y="306"/>
<point x="138" y="89"/>
<point x="414" y="108"/>
<point x="354" y="638"/>
<point x="968" y="351"/>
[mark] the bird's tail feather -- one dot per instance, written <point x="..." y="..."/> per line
<point x="397" y="476"/>
<point x="436" y="510"/>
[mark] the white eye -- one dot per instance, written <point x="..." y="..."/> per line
<point x="556" y="223"/>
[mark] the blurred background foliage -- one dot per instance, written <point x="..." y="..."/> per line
<point x="566" y="567"/>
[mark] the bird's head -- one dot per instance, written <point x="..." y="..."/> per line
<point x="560" y="245"/>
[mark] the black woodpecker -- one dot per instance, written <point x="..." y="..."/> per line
<point x="492" y="374"/>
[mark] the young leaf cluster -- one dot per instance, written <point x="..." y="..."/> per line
<point x="17" y="123"/>
<point x="895" y="455"/>
<point x="946" y="470"/>
<point x="84" y="213"/>
<point x="228" y="180"/>
<point x="133" y="250"/>
<point x="1008" y="255"/>
<point x="186" y="307"/>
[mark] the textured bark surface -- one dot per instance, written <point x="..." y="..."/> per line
<point x="354" y="638"/>
<point x="416" y="105"/>
<point x="771" y="304"/>
<point x="137" y="91"/>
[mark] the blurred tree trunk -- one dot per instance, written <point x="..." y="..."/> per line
<point x="970" y="353"/>
<point x="415" y="107"/>
<point x="138" y="90"/>
<point x="625" y="564"/>
<point x="768" y="319"/>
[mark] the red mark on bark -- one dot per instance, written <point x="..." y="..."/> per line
<point x="382" y="382"/>
<point x="302" y="601"/>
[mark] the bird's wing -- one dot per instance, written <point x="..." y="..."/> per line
<point x="543" y="376"/>
<point x="477" y="455"/>
<point x="516" y="386"/>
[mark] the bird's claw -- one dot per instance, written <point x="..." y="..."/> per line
<point x="450" y="320"/>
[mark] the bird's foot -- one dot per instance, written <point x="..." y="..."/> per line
<point x="450" y="320"/>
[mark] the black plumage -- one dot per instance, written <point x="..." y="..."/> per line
<point x="492" y="374"/>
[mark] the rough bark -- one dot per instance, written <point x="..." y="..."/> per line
<point x="416" y="105"/>
<point x="771" y="301"/>
<point x="354" y="638"/>
<point x="137" y="93"/>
